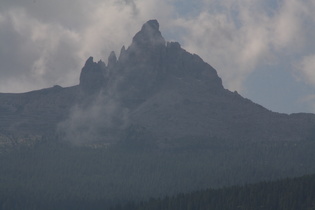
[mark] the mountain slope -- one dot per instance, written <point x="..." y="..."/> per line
<point x="155" y="86"/>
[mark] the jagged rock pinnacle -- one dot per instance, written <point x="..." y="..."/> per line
<point x="149" y="35"/>
<point x="112" y="60"/>
<point x="145" y="64"/>
<point x="92" y="75"/>
<point x="154" y="24"/>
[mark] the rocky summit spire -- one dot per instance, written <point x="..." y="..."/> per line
<point x="92" y="77"/>
<point x="112" y="60"/>
<point x="149" y="35"/>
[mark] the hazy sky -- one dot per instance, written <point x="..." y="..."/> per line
<point x="264" y="49"/>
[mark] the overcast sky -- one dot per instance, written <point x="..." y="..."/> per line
<point x="264" y="49"/>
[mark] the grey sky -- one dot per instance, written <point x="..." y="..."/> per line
<point x="263" y="49"/>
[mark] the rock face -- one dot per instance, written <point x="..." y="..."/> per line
<point x="149" y="36"/>
<point x="155" y="87"/>
<point x="92" y="76"/>
<point x="150" y="64"/>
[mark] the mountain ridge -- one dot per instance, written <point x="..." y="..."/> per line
<point x="154" y="85"/>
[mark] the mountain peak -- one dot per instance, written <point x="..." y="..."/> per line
<point x="112" y="60"/>
<point x="92" y="75"/>
<point x="152" y="24"/>
<point x="149" y="35"/>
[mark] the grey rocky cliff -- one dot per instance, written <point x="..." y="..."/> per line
<point x="92" y="76"/>
<point x="150" y="63"/>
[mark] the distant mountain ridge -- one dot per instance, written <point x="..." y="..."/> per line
<point x="154" y="90"/>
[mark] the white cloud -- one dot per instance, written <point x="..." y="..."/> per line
<point x="85" y="124"/>
<point x="288" y="25"/>
<point x="238" y="36"/>
<point x="307" y="69"/>
<point x="32" y="51"/>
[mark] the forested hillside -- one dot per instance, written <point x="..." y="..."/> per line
<point x="56" y="174"/>
<point x="287" y="194"/>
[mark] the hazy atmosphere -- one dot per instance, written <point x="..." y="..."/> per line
<point x="263" y="49"/>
